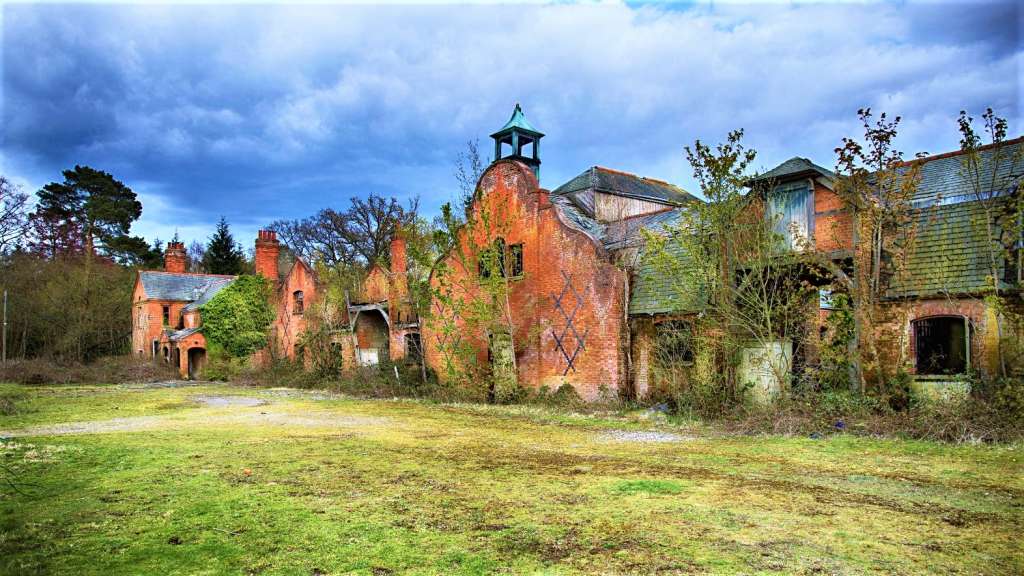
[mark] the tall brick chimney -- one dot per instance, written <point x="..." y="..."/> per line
<point x="267" y="249"/>
<point x="398" y="256"/>
<point x="174" y="258"/>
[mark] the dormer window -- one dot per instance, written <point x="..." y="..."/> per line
<point x="298" y="306"/>
<point x="790" y="210"/>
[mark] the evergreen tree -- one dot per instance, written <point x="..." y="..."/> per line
<point x="223" y="255"/>
<point x="89" y="212"/>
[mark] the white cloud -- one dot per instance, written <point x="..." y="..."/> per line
<point x="268" y="104"/>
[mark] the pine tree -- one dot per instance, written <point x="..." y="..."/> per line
<point x="223" y="256"/>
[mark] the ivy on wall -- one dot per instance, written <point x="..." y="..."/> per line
<point x="238" y="317"/>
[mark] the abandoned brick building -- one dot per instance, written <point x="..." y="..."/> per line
<point x="587" y="302"/>
<point x="167" y="316"/>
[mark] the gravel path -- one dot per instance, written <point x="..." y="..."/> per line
<point x="646" y="436"/>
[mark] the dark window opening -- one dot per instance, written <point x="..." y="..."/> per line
<point x="299" y="351"/>
<point x="515" y="256"/>
<point x="413" y="348"/>
<point x="181" y="320"/>
<point x="941" y="345"/>
<point x="297" y="302"/>
<point x="674" y="342"/>
<point x="167" y="315"/>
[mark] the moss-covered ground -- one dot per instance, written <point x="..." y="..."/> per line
<point x="199" y="480"/>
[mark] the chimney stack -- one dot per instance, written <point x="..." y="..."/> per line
<point x="398" y="256"/>
<point x="174" y="258"/>
<point x="267" y="249"/>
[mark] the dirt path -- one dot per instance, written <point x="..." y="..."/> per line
<point x="250" y="410"/>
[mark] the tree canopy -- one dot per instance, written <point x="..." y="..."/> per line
<point x="89" y="212"/>
<point x="223" y="255"/>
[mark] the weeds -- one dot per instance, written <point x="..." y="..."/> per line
<point x="110" y="369"/>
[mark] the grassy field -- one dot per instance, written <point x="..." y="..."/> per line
<point x="223" y="480"/>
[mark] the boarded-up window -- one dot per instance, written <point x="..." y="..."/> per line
<point x="791" y="212"/>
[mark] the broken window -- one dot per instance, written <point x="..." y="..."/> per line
<point x="942" y="345"/>
<point x="413" y="348"/>
<point x="167" y="315"/>
<point x="515" y="261"/>
<point x="297" y="302"/>
<point x="791" y="212"/>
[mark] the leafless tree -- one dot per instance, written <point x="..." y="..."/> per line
<point x="13" y="215"/>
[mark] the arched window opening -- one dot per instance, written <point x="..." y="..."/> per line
<point x="942" y="345"/>
<point x="298" y="304"/>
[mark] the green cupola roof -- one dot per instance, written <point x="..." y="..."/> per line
<point x="518" y="121"/>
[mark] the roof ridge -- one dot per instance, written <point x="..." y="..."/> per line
<point x="943" y="155"/>
<point x="203" y="274"/>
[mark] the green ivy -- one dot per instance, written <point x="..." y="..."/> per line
<point x="238" y="317"/>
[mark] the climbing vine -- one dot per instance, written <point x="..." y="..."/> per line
<point x="237" y="318"/>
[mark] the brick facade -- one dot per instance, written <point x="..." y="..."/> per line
<point x="559" y="261"/>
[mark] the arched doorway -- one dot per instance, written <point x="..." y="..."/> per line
<point x="372" y="336"/>
<point x="196" y="362"/>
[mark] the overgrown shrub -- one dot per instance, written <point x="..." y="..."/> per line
<point x="107" y="370"/>
<point x="238" y="317"/>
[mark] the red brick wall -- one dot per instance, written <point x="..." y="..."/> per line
<point x="147" y="320"/>
<point x="833" y="225"/>
<point x="895" y="337"/>
<point x="552" y="254"/>
<point x="289" y="325"/>
<point x="375" y="286"/>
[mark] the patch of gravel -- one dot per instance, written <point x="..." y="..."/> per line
<point x="225" y="401"/>
<point x="164" y="384"/>
<point x="130" y="424"/>
<point x="301" y="394"/>
<point x="647" y="436"/>
<point x="311" y="420"/>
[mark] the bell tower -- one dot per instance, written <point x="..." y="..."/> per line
<point x="523" y="141"/>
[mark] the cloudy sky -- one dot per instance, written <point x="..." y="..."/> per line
<point x="260" y="112"/>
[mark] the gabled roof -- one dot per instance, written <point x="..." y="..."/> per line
<point x="793" y="168"/>
<point x="600" y="179"/>
<point x="175" y="286"/>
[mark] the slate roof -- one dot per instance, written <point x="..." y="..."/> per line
<point x="211" y="289"/>
<point x="656" y="290"/>
<point x="949" y="254"/>
<point x="600" y="179"/>
<point x="793" y="168"/>
<point x="179" y="334"/>
<point x="180" y="287"/>
<point x="944" y="181"/>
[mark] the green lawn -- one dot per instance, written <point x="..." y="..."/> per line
<point x="177" y="481"/>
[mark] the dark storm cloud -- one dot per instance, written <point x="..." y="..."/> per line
<point x="262" y="112"/>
